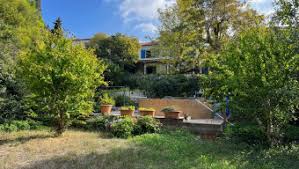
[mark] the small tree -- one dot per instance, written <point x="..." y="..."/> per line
<point x="62" y="78"/>
<point x="258" y="70"/>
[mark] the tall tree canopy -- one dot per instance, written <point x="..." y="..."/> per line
<point x="287" y="12"/>
<point x="193" y="29"/>
<point x="21" y="27"/>
<point x="120" y="53"/>
<point x="257" y="70"/>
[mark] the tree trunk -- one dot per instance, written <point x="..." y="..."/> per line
<point x="60" y="124"/>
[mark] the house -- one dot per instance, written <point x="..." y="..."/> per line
<point x="83" y="41"/>
<point x="149" y="62"/>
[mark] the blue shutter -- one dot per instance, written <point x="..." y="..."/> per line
<point x="143" y="53"/>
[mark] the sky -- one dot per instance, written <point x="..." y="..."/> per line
<point x="139" y="18"/>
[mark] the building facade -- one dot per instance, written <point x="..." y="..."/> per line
<point x="149" y="62"/>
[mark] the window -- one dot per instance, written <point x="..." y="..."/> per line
<point x="151" y="70"/>
<point x="148" y="54"/>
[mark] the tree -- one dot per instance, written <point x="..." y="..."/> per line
<point x="257" y="70"/>
<point x="20" y="28"/>
<point x="61" y="77"/>
<point x="57" y="29"/>
<point x="194" y="29"/>
<point x="120" y="52"/>
<point x="287" y="13"/>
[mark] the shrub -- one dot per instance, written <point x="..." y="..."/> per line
<point x="168" y="109"/>
<point x="123" y="128"/>
<point x="97" y="123"/>
<point x="17" y="125"/>
<point x="6" y="127"/>
<point x="291" y="133"/>
<point x="248" y="133"/>
<point x="127" y="108"/>
<point x="168" y="85"/>
<point x="147" y="124"/>
<point x="82" y="124"/>
<point x="101" y="123"/>
<point x="34" y="125"/>
<point x="122" y="100"/>
<point x="107" y="100"/>
<point x="21" y="125"/>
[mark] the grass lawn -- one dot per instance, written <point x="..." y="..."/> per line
<point x="173" y="150"/>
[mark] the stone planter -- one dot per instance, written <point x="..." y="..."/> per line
<point x="106" y="109"/>
<point x="147" y="113"/>
<point x="127" y="113"/>
<point x="172" y="115"/>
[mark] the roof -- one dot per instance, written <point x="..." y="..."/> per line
<point x="80" y="40"/>
<point x="149" y="43"/>
<point x="142" y="44"/>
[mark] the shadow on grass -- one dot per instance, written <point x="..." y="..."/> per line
<point x="116" y="159"/>
<point x="176" y="151"/>
<point x="24" y="139"/>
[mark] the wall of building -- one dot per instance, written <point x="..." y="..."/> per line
<point x="192" y="107"/>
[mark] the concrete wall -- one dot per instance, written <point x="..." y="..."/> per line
<point x="192" y="107"/>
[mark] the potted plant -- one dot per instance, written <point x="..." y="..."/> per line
<point x="171" y="113"/>
<point x="127" y="111"/>
<point x="147" y="111"/>
<point x="187" y="116"/>
<point x="106" y="104"/>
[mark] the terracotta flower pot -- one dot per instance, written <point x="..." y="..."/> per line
<point x="172" y="115"/>
<point x="127" y="113"/>
<point x="106" y="109"/>
<point x="147" y="113"/>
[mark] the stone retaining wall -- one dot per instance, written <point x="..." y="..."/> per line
<point x="192" y="107"/>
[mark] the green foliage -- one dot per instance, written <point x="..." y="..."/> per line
<point x="127" y="108"/>
<point x="6" y="127"/>
<point x="184" y="150"/>
<point x="20" y="27"/>
<point x="247" y="133"/>
<point x="147" y="124"/>
<point x="97" y="123"/>
<point x="191" y="30"/>
<point x="123" y="128"/>
<point x="168" y="109"/>
<point x="159" y="86"/>
<point x="18" y="125"/>
<point x="287" y="13"/>
<point x="101" y="123"/>
<point x="62" y="78"/>
<point x="120" y="52"/>
<point x="291" y="133"/>
<point x="21" y="125"/>
<point x="81" y="124"/>
<point x="257" y="69"/>
<point x="107" y="100"/>
<point x="122" y="100"/>
<point x="120" y="49"/>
